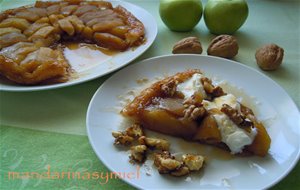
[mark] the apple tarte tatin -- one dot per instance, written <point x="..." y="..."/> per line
<point x="30" y="36"/>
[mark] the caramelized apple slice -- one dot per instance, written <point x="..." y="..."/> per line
<point x="42" y="33"/>
<point x="98" y="14"/>
<point x="53" y="10"/>
<point x="110" y="41"/>
<point x="77" y="24"/>
<point x="98" y="20"/>
<point x="262" y="141"/>
<point x="84" y="9"/>
<point x="68" y="10"/>
<point x="14" y="22"/>
<point x="30" y="16"/>
<point x="8" y="30"/>
<point x="41" y="12"/>
<point x="34" y="27"/>
<point x="119" y="31"/>
<point x="161" y="121"/>
<point x="66" y="26"/>
<point x="18" y="51"/>
<point x="87" y="33"/>
<point x="11" y="38"/>
<point x="43" y="20"/>
<point x="208" y="131"/>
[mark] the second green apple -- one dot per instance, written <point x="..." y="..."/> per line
<point x="225" y="16"/>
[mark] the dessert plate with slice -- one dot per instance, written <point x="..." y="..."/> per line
<point x="53" y="44"/>
<point x="202" y="105"/>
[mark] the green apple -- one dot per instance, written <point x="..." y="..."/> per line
<point x="225" y="16"/>
<point x="180" y="15"/>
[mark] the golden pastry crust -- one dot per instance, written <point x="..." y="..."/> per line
<point x="46" y="24"/>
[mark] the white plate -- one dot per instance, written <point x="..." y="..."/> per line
<point x="272" y="104"/>
<point x="97" y="70"/>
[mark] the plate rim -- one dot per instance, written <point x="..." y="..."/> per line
<point x="148" y="44"/>
<point x="130" y="182"/>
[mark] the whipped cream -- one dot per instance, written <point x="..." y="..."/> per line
<point x="233" y="136"/>
<point x="192" y="85"/>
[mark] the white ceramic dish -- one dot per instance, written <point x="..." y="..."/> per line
<point x="272" y="104"/>
<point x="110" y="64"/>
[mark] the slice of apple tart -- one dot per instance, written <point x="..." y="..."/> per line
<point x="190" y="106"/>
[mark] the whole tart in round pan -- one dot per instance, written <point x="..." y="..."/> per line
<point x="30" y="37"/>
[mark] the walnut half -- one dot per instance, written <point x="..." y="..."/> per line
<point x="168" y="164"/>
<point x="189" y="45"/>
<point x="126" y="138"/>
<point x="193" y="162"/>
<point x="138" y="153"/>
<point x="122" y="138"/>
<point x="238" y="118"/>
<point x="159" y="144"/>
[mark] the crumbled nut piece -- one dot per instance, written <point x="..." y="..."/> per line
<point x="211" y="89"/>
<point x="138" y="153"/>
<point x="225" y="46"/>
<point x="196" y="99"/>
<point x="269" y="57"/>
<point x="189" y="45"/>
<point x="239" y="119"/>
<point x="182" y="171"/>
<point x="155" y="143"/>
<point x="193" y="162"/>
<point x="165" y="163"/>
<point x="121" y="138"/>
<point x="170" y="164"/>
<point x="217" y="92"/>
<point x="194" y="113"/>
<point x="135" y="131"/>
<point x="169" y="88"/>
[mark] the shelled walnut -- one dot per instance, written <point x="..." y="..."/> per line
<point x="225" y="46"/>
<point x="135" y="131"/>
<point x="193" y="162"/>
<point x="214" y="91"/>
<point x="193" y="113"/>
<point x="122" y="138"/>
<point x="154" y="143"/>
<point x="127" y="137"/>
<point x="269" y="57"/>
<point x="138" y="153"/>
<point x="168" y="164"/>
<point x="238" y="118"/>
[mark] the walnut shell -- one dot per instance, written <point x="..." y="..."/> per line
<point x="269" y="57"/>
<point x="225" y="46"/>
<point x="190" y="45"/>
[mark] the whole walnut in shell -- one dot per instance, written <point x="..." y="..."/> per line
<point x="269" y="57"/>
<point x="190" y="45"/>
<point x="225" y="46"/>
